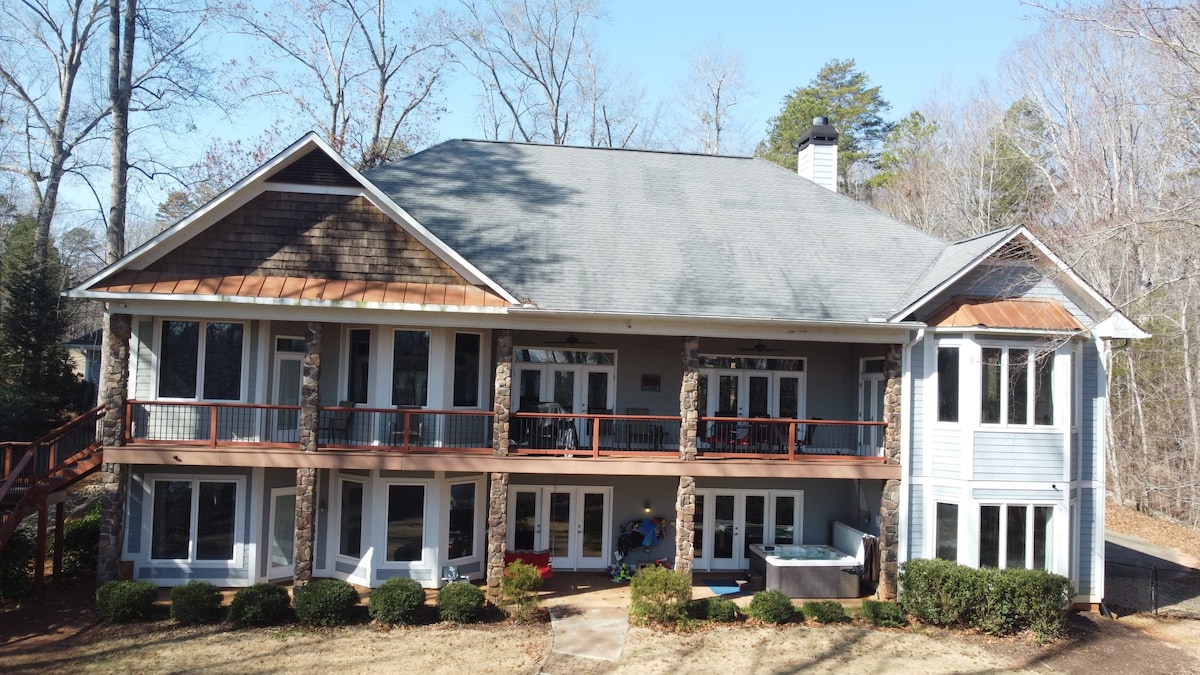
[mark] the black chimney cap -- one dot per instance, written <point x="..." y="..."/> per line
<point x="820" y="133"/>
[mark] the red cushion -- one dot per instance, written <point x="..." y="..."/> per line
<point x="539" y="560"/>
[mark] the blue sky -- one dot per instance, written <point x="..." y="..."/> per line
<point x="906" y="47"/>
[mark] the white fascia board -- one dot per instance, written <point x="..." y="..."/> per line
<point x="279" y="309"/>
<point x="1118" y="326"/>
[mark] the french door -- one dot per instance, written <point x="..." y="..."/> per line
<point x="578" y="389"/>
<point x="283" y="533"/>
<point x="285" y="424"/>
<point x="727" y="522"/>
<point x="573" y="523"/>
<point x="870" y="405"/>
<point x="740" y="393"/>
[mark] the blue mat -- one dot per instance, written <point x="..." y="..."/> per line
<point x="723" y="587"/>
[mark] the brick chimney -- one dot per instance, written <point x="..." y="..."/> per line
<point x="818" y="156"/>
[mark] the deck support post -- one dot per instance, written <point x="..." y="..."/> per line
<point x="114" y="388"/>
<point x="685" y="496"/>
<point x="59" y="525"/>
<point x="306" y="478"/>
<point x="889" y="510"/>
<point x="39" y="558"/>
<point x="497" y="533"/>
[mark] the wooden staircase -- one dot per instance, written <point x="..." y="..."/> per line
<point x="37" y="475"/>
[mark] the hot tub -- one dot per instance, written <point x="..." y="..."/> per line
<point x="806" y="571"/>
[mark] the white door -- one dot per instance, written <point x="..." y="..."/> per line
<point x="727" y="522"/>
<point x="283" y="533"/>
<point x="285" y="424"/>
<point x="573" y="523"/>
<point x="578" y="389"/>
<point x="870" y="405"/>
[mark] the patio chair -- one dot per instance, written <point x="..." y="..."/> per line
<point x="416" y="427"/>
<point x="339" y="422"/>
<point x="642" y="433"/>
<point x="810" y="430"/>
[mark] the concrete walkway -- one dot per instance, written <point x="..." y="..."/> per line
<point x="589" y="615"/>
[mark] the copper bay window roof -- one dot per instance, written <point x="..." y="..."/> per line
<point x="1025" y="313"/>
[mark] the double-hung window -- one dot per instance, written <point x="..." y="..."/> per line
<point x="1017" y="386"/>
<point x="202" y="357"/>
<point x="193" y="519"/>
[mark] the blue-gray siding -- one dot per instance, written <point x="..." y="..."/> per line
<point x="1018" y="456"/>
<point x="916" y="521"/>
<point x="1013" y="495"/>
<point x="1088" y="531"/>
<point x="945" y="447"/>
<point x="916" y="457"/>
<point x="142" y="386"/>
<point x="1009" y="281"/>
<point x="1089" y="419"/>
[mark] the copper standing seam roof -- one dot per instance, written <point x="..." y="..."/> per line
<point x="299" y="288"/>
<point x="1028" y="313"/>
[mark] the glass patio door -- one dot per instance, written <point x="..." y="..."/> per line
<point x="727" y="522"/>
<point x="572" y="523"/>
<point x="285" y="424"/>
<point x="578" y="389"/>
<point x="870" y="405"/>
<point x="283" y="533"/>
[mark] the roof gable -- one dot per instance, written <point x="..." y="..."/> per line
<point x="1045" y="314"/>
<point x="314" y="168"/>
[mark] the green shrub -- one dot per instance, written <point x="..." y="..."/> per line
<point x="721" y="610"/>
<point x="121" y="601"/>
<point x="16" y="566"/>
<point x="519" y="589"/>
<point x="459" y="602"/>
<point x="659" y="595"/>
<point x="1000" y="602"/>
<point x="326" y="602"/>
<point x="884" y="614"/>
<point x="824" y="611"/>
<point x="397" y="601"/>
<point x="771" y="607"/>
<point x="81" y="544"/>
<point x="260" y="605"/>
<point x="196" y="602"/>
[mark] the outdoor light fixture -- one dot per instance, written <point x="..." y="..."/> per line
<point x="646" y="506"/>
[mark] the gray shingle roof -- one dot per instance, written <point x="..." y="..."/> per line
<point x="950" y="261"/>
<point x="625" y="231"/>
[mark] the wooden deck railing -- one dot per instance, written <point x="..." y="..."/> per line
<point x="419" y="430"/>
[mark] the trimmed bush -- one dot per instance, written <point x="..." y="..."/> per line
<point x="397" y="601"/>
<point x="518" y="589"/>
<point x="721" y="610"/>
<point x="122" y="601"/>
<point x="883" y="614"/>
<point x="824" y="611"/>
<point x="1001" y="602"/>
<point x="459" y="602"/>
<point x="771" y="607"/>
<point x="659" y="595"/>
<point x="196" y="602"/>
<point x="81" y="544"/>
<point x="326" y="602"/>
<point x="260" y="605"/>
<point x="16" y="566"/>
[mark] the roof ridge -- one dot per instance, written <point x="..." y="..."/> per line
<point x="654" y="151"/>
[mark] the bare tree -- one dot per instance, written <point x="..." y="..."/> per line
<point x="365" y="78"/>
<point x="715" y="82"/>
<point x="532" y="59"/>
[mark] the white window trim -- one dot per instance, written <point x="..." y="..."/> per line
<point x="478" y="518"/>
<point x="243" y="384"/>
<point x="480" y="395"/>
<point x="335" y="521"/>
<point x="930" y="543"/>
<point x="238" y="524"/>
<point x="1058" y="397"/>
<point x="376" y="537"/>
<point x="1054" y="561"/>
<point x="965" y="349"/>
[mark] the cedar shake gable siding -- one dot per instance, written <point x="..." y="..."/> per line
<point x="289" y="234"/>
<point x="315" y="168"/>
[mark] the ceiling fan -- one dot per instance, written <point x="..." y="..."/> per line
<point x="570" y="341"/>
<point x="760" y="348"/>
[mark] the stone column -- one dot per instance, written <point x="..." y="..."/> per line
<point x="114" y="389"/>
<point x="889" y="511"/>
<point x="685" y="496"/>
<point x="497" y="534"/>
<point x="306" y="478"/>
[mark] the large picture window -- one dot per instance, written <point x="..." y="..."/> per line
<point x="1017" y="386"/>
<point x="462" y="520"/>
<point x="947" y="383"/>
<point x="405" y="523"/>
<point x="1015" y="536"/>
<point x="946" y="544"/>
<point x="201" y="357"/>
<point x="193" y="520"/>
<point x="350" y="542"/>
<point x="410" y="368"/>
<point x="466" y="369"/>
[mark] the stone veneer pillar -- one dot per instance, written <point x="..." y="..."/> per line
<point x="685" y="496"/>
<point x="889" y="511"/>
<point x="114" y="390"/>
<point x="306" y="477"/>
<point x="498" y="485"/>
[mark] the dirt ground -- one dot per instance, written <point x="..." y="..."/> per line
<point x="58" y="632"/>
